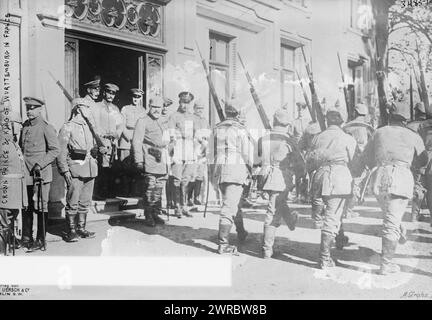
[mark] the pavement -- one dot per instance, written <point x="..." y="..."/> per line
<point x="290" y="274"/>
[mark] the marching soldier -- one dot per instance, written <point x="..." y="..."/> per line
<point x="40" y="147"/>
<point x="77" y="164"/>
<point x="109" y="125"/>
<point x="183" y="125"/>
<point x="202" y="134"/>
<point x="149" y="145"/>
<point x="13" y="193"/>
<point x="305" y="145"/>
<point x="423" y="182"/>
<point x="131" y="113"/>
<point x="361" y="132"/>
<point x="234" y="154"/>
<point x="273" y="149"/>
<point x="333" y="151"/>
<point x="391" y="151"/>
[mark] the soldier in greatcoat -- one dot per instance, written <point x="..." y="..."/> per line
<point x="149" y="143"/>
<point x="40" y="147"/>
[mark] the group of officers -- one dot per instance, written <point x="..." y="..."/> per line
<point x="171" y="152"/>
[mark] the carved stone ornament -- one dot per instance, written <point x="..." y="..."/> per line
<point x="129" y="16"/>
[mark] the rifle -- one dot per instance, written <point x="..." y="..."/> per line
<point x="311" y="110"/>
<point x="349" y="113"/>
<point x="315" y="101"/>
<point x="98" y="140"/>
<point x="211" y="87"/>
<point x="411" y="99"/>
<point x="256" y="99"/>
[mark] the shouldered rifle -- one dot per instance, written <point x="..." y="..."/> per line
<point x="411" y="99"/>
<point x="345" y="90"/>
<point x="69" y="97"/>
<point x="315" y="102"/>
<point x="306" y="98"/>
<point x="211" y="87"/>
<point x="255" y="97"/>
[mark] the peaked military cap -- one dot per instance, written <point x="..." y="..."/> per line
<point x="198" y="104"/>
<point x="230" y="109"/>
<point x="136" y="92"/>
<point x="400" y="108"/>
<point x="30" y="101"/>
<point x="361" y="109"/>
<point x="301" y="105"/>
<point x="93" y="84"/>
<point x="167" y="102"/>
<point x="186" y="96"/>
<point x="111" y="87"/>
<point x="334" y="116"/>
<point x="156" y="102"/>
<point x="281" y="116"/>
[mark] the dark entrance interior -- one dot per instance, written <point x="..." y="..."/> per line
<point x="113" y="64"/>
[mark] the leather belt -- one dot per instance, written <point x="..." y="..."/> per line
<point x="395" y="163"/>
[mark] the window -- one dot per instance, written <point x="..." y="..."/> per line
<point x="357" y="78"/>
<point x="287" y="76"/>
<point x="220" y="70"/>
<point x="361" y="15"/>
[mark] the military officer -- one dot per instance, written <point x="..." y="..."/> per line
<point x="13" y="193"/>
<point x="77" y="164"/>
<point x="333" y="150"/>
<point x="92" y="94"/>
<point x="202" y="135"/>
<point x="131" y="113"/>
<point x="273" y="149"/>
<point x="183" y="125"/>
<point x="40" y="147"/>
<point x="362" y="132"/>
<point x="234" y="157"/>
<point x="109" y="124"/>
<point x="149" y="143"/>
<point x="392" y="150"/>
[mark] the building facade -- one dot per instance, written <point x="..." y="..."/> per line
<point x="153" y="45"/>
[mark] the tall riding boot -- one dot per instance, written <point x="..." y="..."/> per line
<point x="290" y="218"/>
<point x="197" y="192"/>
<point x="224" y="246"/>
<point x="42" y="222"/>
<point x="325" y="260"/>
<point x="148" y="213"/>
<point x="177" y="201"/>
<point x="317" y="215"/>
<point x="4" y="240"/>
<point x="71" y="235"/>
<point x="388" y="250"/>
<point x="81" y="229"/>
<point x="27" y="228"/>
<point x="184" y="194"/>
<point x="341" y="239"/>
<point x="190" y="193"/>
<point x="241" y="231"/>
<point x="268" y="240"/>
<point x="416" y="207"/>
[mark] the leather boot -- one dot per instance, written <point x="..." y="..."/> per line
<point x="4" y="240"/>
<point x="291" y="219"/>
<point x="224" y="246"/>
<point x="156" y="218"/>
<point x="27" y="228"/>
<point x="325" y="260"/>
<point x="42" y="222"/>
<point x="71" y="236"/>
<point x="241" y="231"/>
<point x="317" y="216"/>
<point x="197" y="192"/>
<point x="403" y="235"/>
<point x="388" y="250"/>
<point x="81" y="230"/>
<point x="341" y="239"/>
<point x="149" y="220"/>
<point x="184" y="194"/>
<point x="190" y="192"/>
<point x="268" y="241"/>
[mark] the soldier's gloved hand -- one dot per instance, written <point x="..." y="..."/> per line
<point x="68" y="178"/>
<point x="36" y="170"/>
